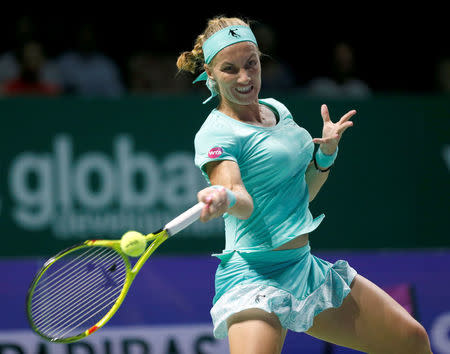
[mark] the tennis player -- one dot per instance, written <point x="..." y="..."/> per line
<point x="263" y="170"/>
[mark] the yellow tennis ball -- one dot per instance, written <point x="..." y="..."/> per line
<point x="133" y="243"/>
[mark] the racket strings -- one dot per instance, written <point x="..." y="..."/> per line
<point x="46" y="288"/>
<point x="58" y="295"/>
<point x="77" y="318"/>
<point x="69" y="304"/>
<point x="75" y="323"/>
<point x="50" y="291"/>
<point x="77" y="292"/>
<point x="75" y="299"/>
<point x="62" y="270"/>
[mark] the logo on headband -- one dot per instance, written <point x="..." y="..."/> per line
<point x="232" y="32"/>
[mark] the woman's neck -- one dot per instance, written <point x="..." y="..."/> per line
<point x="245" y="113"/>
<point x="255" y="114"/>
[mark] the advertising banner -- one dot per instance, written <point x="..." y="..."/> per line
<point x="73" y="169"/>
<point x="189" y="339"/>
<point x="167" y="308"/>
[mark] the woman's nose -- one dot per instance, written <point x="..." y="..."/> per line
<point x="244" y="77"/>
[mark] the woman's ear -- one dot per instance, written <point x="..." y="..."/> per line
<point x="208" y="71"/>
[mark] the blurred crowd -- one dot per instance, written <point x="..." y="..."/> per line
<point x="87" y="70"/>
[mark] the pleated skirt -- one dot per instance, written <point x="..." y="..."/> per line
<point x="294" y="284"/>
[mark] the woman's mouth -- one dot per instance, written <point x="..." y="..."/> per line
<point x="244" y="90"/>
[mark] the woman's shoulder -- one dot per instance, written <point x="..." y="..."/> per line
<point x="213" y="122"/>
<point x="215" y="125"/>
<point x="280" y="107"/>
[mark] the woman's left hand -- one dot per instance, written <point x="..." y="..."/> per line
<point x="332" y="132"/>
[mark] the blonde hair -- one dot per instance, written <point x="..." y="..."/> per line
<point x="194" y="60"/>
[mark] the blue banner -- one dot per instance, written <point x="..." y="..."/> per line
<point x="167" y="308"/>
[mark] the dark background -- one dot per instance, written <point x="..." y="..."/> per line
<point x="396" y="50"/>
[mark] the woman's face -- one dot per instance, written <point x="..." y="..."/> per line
<point x="237" y="72"/>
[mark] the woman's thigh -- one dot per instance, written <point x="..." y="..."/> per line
<point x="255" y="331"/>
<point x="371" y="321"/>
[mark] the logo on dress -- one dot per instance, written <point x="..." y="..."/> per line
<point x="258" y="298"/>
<point x="215" y="152"/>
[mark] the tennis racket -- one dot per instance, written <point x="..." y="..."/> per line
<point x="78" y="290"/>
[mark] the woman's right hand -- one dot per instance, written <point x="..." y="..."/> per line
<point x="216" y="201"/>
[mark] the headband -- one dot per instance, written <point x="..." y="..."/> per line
<point x="218" y="41"/>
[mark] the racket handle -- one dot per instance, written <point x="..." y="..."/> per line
<point x="184" y="220"/>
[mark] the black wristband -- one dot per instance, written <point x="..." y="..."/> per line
<point x="317" y="167"/>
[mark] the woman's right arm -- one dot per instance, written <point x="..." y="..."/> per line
<point x="227" y="174"/>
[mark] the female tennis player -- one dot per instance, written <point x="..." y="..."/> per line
<point x="264" y="171"/>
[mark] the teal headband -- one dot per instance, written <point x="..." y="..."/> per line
<point x="218" y="41"/>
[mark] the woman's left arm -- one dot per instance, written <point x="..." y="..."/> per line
<point x="331" y="135"/>
<point x="315" y="180"/>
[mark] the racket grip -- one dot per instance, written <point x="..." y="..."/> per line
<point x="185" y="219"/>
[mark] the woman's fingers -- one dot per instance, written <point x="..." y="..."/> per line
<point x="325" y="140"/>
<point x="334" y="133"/>
<point x="343" y="127"/>
<point x="324" y="112"/>
<point x="347" y="116"/>
<point x="205" y="196"/>
<point x="216" y="203"/>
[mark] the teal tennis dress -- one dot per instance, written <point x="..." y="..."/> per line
<point x="294" y="284"/>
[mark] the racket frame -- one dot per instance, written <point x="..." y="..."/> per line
<point x="176" y="225"/>
<point x="158" y="238"/>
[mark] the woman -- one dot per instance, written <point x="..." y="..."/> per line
<point x="263" y="174"/>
